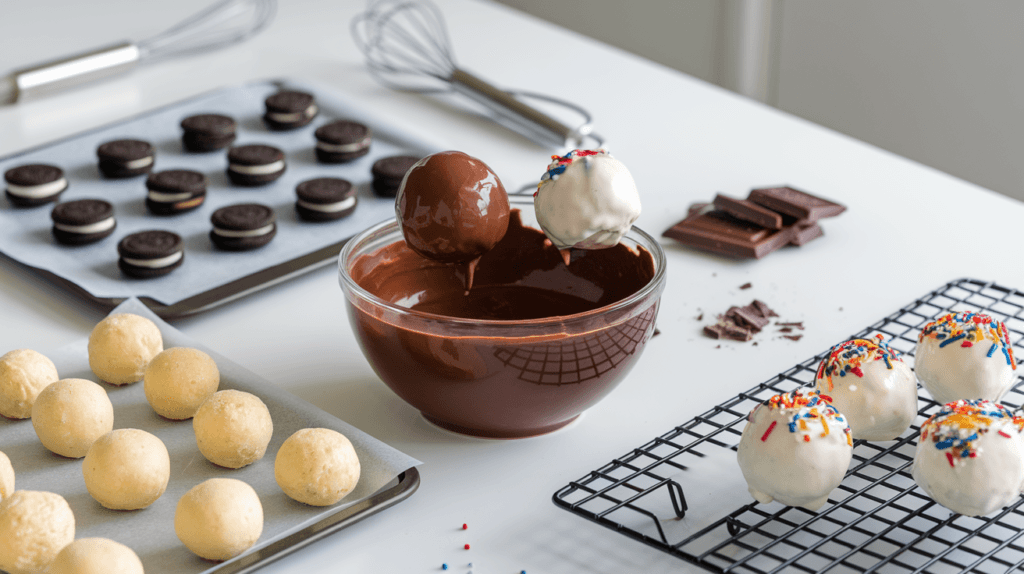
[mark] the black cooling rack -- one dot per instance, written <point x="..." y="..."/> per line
<point x="877" y="520"/>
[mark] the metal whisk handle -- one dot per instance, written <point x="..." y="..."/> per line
<point x="70" y="71"/>
<point x="525" y="117"/>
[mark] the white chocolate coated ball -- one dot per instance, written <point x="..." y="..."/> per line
<point x="6" y="476"/>
<point x="979" y="365"/>
<point x="317" y="466"/>
<point x="23" y="374"/>
<point x="233" y="428"/>
<point x="69" y="415"/>
<point x="127" y="469"/>
<point x="34" y="527"/>
<point x="96" y="556"/>
<point x="798" y="467"/>
<point x="971" y="485"/>
<point x="121" y="346"/>
<point x="178" y="380"/>
<point x="219" y="519"/>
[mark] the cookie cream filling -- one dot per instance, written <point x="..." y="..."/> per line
<point x="97" y="227"/>
<point x="342" y="148"/>
<point x="293" y="116"/>
<point x="155" y="263"/>
<point x="328" y="207"/>
<point x="137" y="163"/>
<point x="168" y="197"/>
<point x="244" y="233"/>
<point x="257" y="169"/>
<point x="37" y="191"/>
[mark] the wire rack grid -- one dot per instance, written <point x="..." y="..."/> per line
<point x="877" y="520"/>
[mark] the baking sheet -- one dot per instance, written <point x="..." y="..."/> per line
<point x="25" y="234"/>
<point x="150" y="531"/>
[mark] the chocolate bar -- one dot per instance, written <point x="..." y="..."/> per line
<point x="795" y="203"/>
<point x="748" y="211"/>
<point x="721" y="233"/>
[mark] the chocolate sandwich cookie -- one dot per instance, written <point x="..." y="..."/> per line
<point x="34" y="184"/>
<point x="82" y="221"/>
<point x="256" y="164"/>
<point x="325" y="199"/>
<point x="243" y="226"/>
<point x="289" y="110"/>
<point x="388" y="173"/>
<point x="207" y="132"/>
<point x="342" y="141"/>
<point x="175" y="191"/>
<point x="150" y="253"/>
<point x="126" y="158"/>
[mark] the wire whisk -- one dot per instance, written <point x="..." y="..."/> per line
<point x="407" y="48"/>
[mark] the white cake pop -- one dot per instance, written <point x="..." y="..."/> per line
<point x="795" y="448"/>
<point x="965" y="355"/>
<point x="970" y="457"/>
<point x="587" y="199"/>
<point x="871" y="385"/>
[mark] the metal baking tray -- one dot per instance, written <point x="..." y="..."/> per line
<point x="877" y="520"/>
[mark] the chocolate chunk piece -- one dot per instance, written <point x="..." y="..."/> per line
<point x="697" y="208"/>
<point x="746" y="286"/>
<point x="721" y="233"/>
<point x="795" y="203"/>
<point x="806" y="233"/>
<point x="727" y="331"/>
<point x="749" y="317"/>
<point x="748" y="211"/>
<point x="764" y="309"/>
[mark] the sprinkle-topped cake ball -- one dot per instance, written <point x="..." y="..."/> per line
<point x="795" y="448"/>
<point x="970" y="457"/>
<point x="965" y="355"/>
<point x="587" y="199"/>
<point x="871" y="385"/>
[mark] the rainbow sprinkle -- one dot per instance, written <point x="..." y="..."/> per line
<point x="958" y="425"/>
<point x="849" y="357"/>
<point x="560" y="162"/>
<point x="969" y="328"/>
<point x="799" y="407"/>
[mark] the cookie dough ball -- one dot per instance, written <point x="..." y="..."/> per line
<point x="970" y="457"/>
<point x="233" y="428"/>
<point x="34" y="527"/>
<point x="795" y="449"/>
<point x="219" y="519"/>
<point x="23" y="374"/>
<point x="121" y="346"/>
<point x="965" y="355"/>
<point x="871" y="385"/>
<point x="127" y="469"/>
<point x="70" y="415"/>
<point x="317" y="466"/>
<point x="96" y="556"/>
<point x="6" y="477"/>
<point x="178" y="380"/>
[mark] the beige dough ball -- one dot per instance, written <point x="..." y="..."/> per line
<point x="178" y="380"/>
<point x="233" y="428"/>
<point x="317" y="466"/>
<point x="121" y="346"/>
<point x="96" y="556"/>
<point x="6" y="477"/>
<point x="70" y="415"/>
<point x="127" y="469"/>
<point x="23" y="374"/>
<point x="34" y="527"/>
<point x="219" y="519"/>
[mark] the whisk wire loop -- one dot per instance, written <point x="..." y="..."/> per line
<point x="219" y="25"/>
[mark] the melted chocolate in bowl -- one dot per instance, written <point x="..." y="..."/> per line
<point x="531" y="346"/>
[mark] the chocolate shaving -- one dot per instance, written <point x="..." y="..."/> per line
<point x="746" y="286"/>
<point x="786" y="330"/>
<point x="797" y="324"/>
<point x="793" y="337"/>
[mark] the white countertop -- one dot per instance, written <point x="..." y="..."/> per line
<point x="908" y="229"/>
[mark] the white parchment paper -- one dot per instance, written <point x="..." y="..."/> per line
<point x="25" y="233"/>
<point x="150" y="531"/>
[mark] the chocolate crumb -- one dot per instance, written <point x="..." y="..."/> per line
<point x="754" y="343"/>
<point x="794" y="337"/>
<point x="840" y="308"/>
<point x="786" y="330"/>
<point x="655" y="333"/>
<point x="700" y="317"/>
<point x="718" y="346"/>
<point x="797" y="324"/>
<point x="746" y="286"/>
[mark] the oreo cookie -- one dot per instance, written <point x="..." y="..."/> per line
<point x="82" y="221"/>
<point x="256" y="164"/>
<point x="325" y="199"/>
<point x="243" y="226"/>
<point x="342" y="141"/>
<point x="388" y="173"/>
<point x="175" y="191"/>
<point x="288" y="110"/>
<point x="126" y="158"/>
<point x="207" y="132"/>
<point x="34" y="184"/>
<point x="150" y="253"/>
